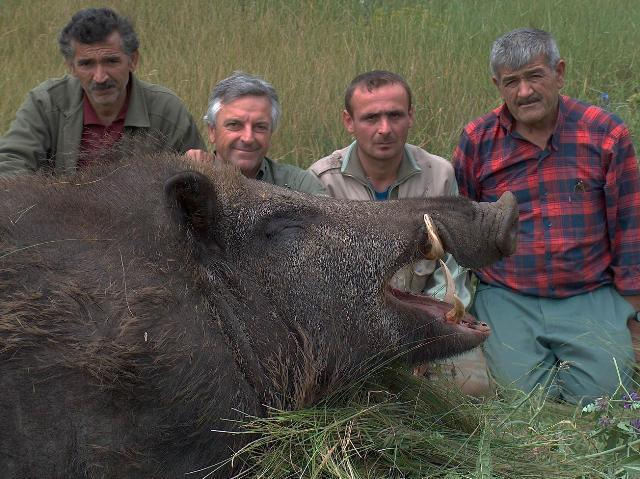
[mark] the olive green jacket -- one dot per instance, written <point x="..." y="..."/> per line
<point x="420" y="175"/>
<point x="289" y="176"/>
<point x="48" y="126"/>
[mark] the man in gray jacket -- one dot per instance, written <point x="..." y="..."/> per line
<point x="379" y="165"/>
<point x="68" y="122"/>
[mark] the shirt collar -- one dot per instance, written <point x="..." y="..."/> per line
<point x="138" y="115"/>
<point x="507" y="121"/>
<point x="90" y="117"/>
<point x="351" y="165"/>
<point x="265" y="173"/>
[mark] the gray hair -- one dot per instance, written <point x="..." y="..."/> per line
<point x="94" y="25"/>
<point x="519" y="47"/>
<point x="237" y="85"/>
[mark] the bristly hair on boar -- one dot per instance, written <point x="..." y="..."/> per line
<point x="148" y="301"/>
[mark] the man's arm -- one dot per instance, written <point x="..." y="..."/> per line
<point x="622" y="196"/>
<point x="27" y="141"/>
<point x="463" y="165"/>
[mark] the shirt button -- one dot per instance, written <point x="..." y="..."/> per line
<point x="547" y="255"/>
<point x="549" y="224"/>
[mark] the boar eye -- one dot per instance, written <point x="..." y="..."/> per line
<point x="282" y="228"/>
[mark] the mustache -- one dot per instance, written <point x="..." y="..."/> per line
<point x="101" y="86"/>
<point x="531" y="99"/>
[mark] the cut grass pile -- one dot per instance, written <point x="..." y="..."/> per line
<point x="395" y="425"/>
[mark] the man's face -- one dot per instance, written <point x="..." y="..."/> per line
<point x="531" y="92"/>
<point x="380" y="121"/>
<point x="242" y="133"/>
<point x="103" y="70"/>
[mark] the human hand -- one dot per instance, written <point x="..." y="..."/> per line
<point x="199" y="156"/>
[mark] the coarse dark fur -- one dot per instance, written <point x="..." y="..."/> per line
<point x="143" y="308"/>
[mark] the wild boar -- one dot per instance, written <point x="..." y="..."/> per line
<point x="146" y="303"/>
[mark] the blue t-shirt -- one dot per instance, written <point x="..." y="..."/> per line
<point x="382" y="195"/>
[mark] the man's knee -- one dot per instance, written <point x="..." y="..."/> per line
<point x="585" y="383"/>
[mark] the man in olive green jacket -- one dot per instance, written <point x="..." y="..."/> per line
<point x="66" y="122"/>
<point x="242" y="114"/>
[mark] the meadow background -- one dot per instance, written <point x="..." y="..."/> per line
<point x="310" y="50"/>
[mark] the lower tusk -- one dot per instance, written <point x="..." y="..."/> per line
<point x="456" y="313"/>
<point x="450" y="293"/>
<point x="437" y="251"/>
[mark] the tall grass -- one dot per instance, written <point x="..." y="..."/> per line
<point x="310" y="50"/>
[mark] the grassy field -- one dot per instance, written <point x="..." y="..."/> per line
<point x="310" y="50"/>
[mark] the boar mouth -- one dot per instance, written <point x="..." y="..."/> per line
<point x="451" y="311"/>
<point x="434" y="309"/>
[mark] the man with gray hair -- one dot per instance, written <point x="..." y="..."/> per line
<point x="66" y="123"/>
<point x="242" y="115"/>
<point x="563" y="308"/>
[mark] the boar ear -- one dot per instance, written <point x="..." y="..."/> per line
<point x="191" y="199"/>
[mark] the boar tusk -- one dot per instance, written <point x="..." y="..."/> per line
<point x="450" y="292"/>
<point x="436" y="251"/>
<point x="456" y="313"/>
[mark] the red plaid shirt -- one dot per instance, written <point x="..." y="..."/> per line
<point x="579" y="200"/>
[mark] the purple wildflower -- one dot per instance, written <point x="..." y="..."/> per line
<point x="605" y="421"/>
<point x="635" y="424"/>
<point x="602" y="403"/>
<point x="629" y="399"/>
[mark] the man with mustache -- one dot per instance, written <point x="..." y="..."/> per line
<point x="380" y="165"/>
<point x="242" y="114"/>
<point x="564" y="306"/>
<point x="68" y="122"/>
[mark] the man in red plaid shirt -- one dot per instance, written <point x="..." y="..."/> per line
<point x="563" y="308"/>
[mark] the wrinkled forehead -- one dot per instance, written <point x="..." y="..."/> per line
<point x="539" y="62"/>
<point x="250" y="108"/>
<point x="519" y="66"/>
<point x="388" y="97"/>
<point x="110" y="46"/>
